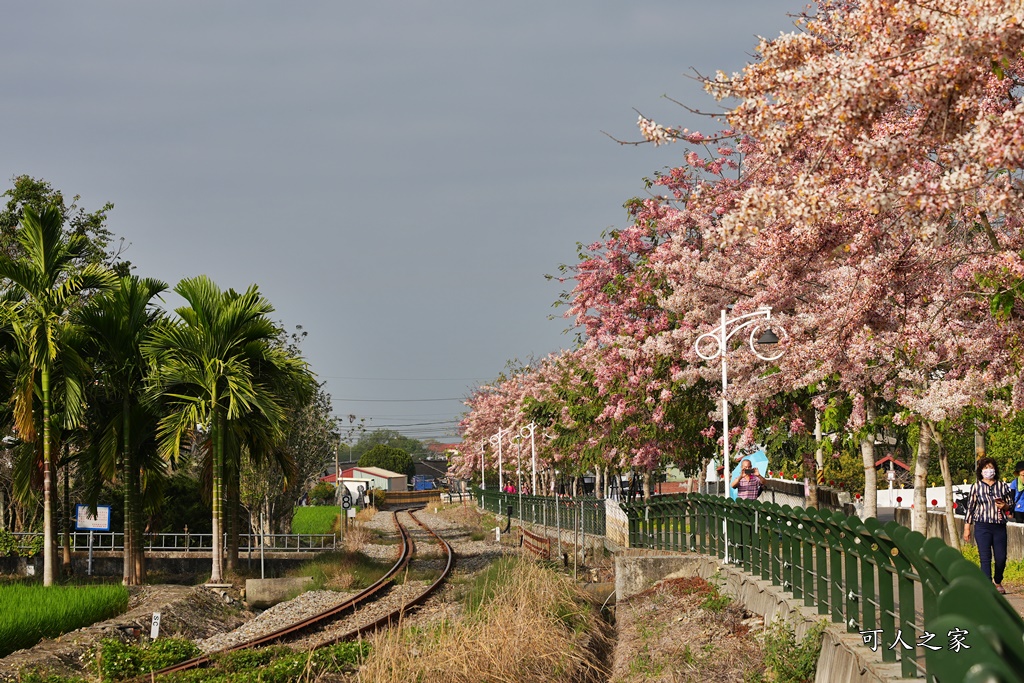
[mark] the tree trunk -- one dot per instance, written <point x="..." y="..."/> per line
<point x="867" y="454"/>
<point x="232" y="509"/>
<point x="217" y="554"/>
<point x="48" y="554"/>
<point x="811" y="474"/>
<point x="818" y="466"/>
<point x="947" y="483"/>
<point x="66" y="554"/>
<point x="127" y="565"/>
<point x="919" y="518"/>
<point x="138" y="526"/>
<point x="128" y="577"/>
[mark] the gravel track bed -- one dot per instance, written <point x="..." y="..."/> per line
<point x="311" y="603"/>
<point x="471" y="557"/>
<point x="277" y="617"/>
<point x="428" y="557"/>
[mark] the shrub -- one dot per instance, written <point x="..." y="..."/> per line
<point x="322" y="494"/>
<point x="9" y="545"/>
<point x="117" y="660"/>
<point x="789" y="661"/>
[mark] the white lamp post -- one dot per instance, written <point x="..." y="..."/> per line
<point x="483" y="484"/>
<point x="496" y="439"/>
<point x="721" y="336"/>
<point x="518" y="441"/>
<point x="530" y="429"/>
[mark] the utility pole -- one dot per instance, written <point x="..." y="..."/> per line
<point x="337" y="474"/>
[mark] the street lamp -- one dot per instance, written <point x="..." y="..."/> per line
<point x="523" y="432"/>
<point x="496" y="439"/>
<point x="721" y="336"/>
<point x="483" y="484"/>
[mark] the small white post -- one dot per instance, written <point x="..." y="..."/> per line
<point x="89" y="571"/>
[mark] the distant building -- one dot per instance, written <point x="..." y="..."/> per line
<point x="380" y="478"/>
<point x="440" y="452"/>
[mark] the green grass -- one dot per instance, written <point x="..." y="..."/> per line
<point x="277" y="665"/>
<point x="267" y="665"/>
<point x="1014" y="572"/>
<point x="328" y="569"/>
<point x="315" y="519"/>
<point x="117" y="661"/>
<point x="489" y="582"/>
<point x="32" y="612"/>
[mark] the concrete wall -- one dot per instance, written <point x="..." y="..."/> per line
<point x="616" y="525"/>
<point x="175" y="566"/>
<point x="263" y="593"/>
<point x="843" y="657"/>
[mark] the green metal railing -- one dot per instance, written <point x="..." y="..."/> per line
<point x="904" y="594"/>
<point x="561" y="513"/>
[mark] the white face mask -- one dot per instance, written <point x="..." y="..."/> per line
<point x="988" y="474"/>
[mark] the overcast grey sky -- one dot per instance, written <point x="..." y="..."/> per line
<point x="397" y="177"/>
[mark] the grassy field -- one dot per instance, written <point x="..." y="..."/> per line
<point x="32" y="612"/>
<point x="342" y="570"/>
<point x="315" y="519"/>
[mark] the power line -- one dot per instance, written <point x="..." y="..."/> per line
<point x="417" y="424"/>
<point x="405" y="379"/>
<point x="396" y="400"/>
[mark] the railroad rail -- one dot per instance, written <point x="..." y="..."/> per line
<point x="395" y="615"/>
<point x="366" y="596"/>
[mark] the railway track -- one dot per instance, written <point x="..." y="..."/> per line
<point x="378" y="605"/>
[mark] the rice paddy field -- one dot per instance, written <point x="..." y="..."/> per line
<point x="31" y="612"/>
<point x="315" y="519"/>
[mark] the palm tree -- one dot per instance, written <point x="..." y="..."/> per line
<point x="117" y="322"/>
<point x="283" y="376"/>
<point x="211" y="369"/>
<point x="44" y="285"/>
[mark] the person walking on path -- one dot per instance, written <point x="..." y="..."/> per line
<point x="1017" y="486"/>
<point x="986" y="510"/>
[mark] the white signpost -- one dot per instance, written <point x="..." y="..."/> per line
<point x="154" y="630"/>
<point x="84" y="519"/>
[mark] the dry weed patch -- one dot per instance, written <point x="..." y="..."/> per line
<point x="685" y="630"/>
<point x="366" y="514"/>
<point x="523" y="623"/>
<point x="356" y="536"/>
